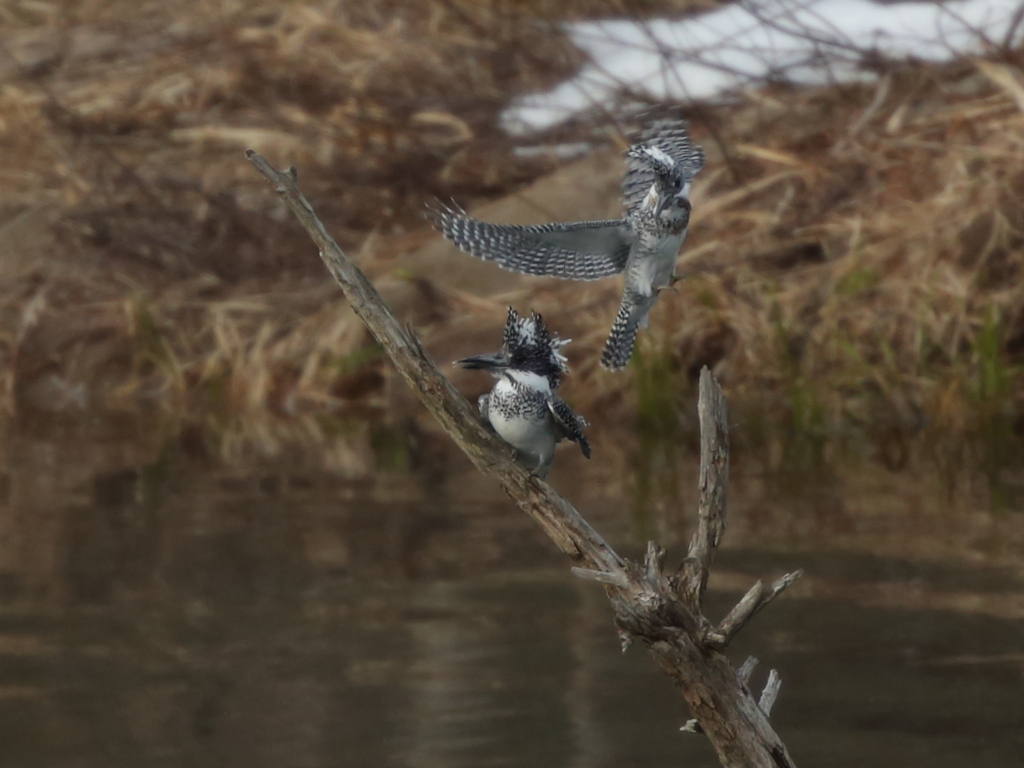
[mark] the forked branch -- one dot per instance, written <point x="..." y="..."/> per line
<point x="664" y="613"/>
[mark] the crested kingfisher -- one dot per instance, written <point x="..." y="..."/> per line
<point x="522" y="407"/>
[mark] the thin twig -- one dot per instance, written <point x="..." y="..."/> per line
<point x="748" y="606"/>
<point x="881" y="93"/>
<point x="1012" y="27"/>
<point x="746" y="670"/>
<point x="741" y="613"/>
<point x="770" y="693"/>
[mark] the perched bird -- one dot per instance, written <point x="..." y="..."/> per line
<point x="644" y="243"/>
<point x="522" y="407"/>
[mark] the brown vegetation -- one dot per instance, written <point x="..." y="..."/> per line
<point x="854" y="261"/>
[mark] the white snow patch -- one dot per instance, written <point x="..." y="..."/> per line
<point x="803" y="41"/>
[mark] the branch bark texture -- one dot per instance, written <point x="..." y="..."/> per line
<point x="663" y="612"/>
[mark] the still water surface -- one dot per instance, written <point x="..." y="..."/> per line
<point x="184" y="615"/>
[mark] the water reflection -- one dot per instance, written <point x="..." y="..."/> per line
<point x="166" y="613"/>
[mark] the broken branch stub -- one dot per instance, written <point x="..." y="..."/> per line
<point x="664" y="613"/>
<point x="714" y="486"/>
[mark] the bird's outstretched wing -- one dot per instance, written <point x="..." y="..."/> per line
<point x="673" y="138"/>
<point x="569" y="423"/>
<point x="584" y="250"/>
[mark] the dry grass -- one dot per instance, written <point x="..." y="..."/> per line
<point x="855" y="271"/>
<point x="143" y="262"/>
<point x="869" y="284"/>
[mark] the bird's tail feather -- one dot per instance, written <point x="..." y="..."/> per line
<point x="619" y="347"/>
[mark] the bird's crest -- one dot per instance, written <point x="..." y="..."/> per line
<point x="527" y="343"/>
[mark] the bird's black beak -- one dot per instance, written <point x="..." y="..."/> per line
<point x="661" y="205"/>
<point x="667" y="201"/>
<point x="492" y="362"/>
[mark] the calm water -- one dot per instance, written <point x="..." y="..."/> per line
<point x="173" y="614"/>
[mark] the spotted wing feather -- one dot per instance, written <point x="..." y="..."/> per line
<point x="569" y="423"/>
<point x="584" y="250"/>
<point x="673" y="138"/>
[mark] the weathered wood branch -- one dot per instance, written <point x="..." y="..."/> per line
<point x="555" y="515"/>
<point x="748" y="606"/>
<point x="664" y="613"/>
<point x="768" y="695"/>
<point x="714" y="486"/>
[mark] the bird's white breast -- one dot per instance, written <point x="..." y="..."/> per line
<point x="528" y="379"/>
<point x="530" y="433"/>
<point x="525" y="434"/>
<point x="655" y="268"/>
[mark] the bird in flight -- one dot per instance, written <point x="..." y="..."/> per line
<point x="644" y="243"/>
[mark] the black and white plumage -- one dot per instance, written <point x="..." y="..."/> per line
<point x="522" y="407"/>
<point x="671" y="137"/>
<point x="644" y="243"/>
<point x="582" y="250"/>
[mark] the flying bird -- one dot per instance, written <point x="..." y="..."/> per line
<point x="643" y="244"/>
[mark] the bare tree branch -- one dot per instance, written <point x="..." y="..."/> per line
<point x="556" y="516"/>
<point x="646" y="603"/>
<point x="1012" y="27"/>
<point x="714" y="485"/>
<point x="748" y="606"/>
<point x="768" y="696"/>
<point x="739" y="615"/>
<point x="746" y="670"/>
<point x="616" y="579"/>
<point x="770" y="693"/>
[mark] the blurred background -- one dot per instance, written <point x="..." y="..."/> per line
<point x="229" y="534"/>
